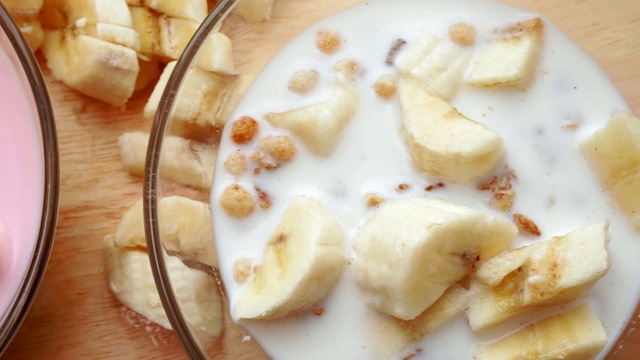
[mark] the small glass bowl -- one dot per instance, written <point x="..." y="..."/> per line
<point x="287" y="22"/>
<point x="28" y="263"/>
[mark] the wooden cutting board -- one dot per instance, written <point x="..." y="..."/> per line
<point x="76" y="316"/>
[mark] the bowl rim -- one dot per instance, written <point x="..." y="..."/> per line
<point x="150" y="187"/>
<point x="20" y="305"/>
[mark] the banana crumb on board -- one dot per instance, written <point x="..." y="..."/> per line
<point x="237" y="201"/>
<point x="328" y="42"/>
<point x="463" y="34"/>
<point x="244" y="130"/>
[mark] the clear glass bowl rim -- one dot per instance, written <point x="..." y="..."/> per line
<point x="150" y="202"/>
<point x="20" y="305"/>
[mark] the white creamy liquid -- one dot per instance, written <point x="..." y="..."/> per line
<point x="555" y="185"/>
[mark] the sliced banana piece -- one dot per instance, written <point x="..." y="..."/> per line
<point x="95" y="67"/>
<point x="510" y="59"/>
<point x="614" y="154"/>
<point x="112" y="33"/>
<point x="184" y="161"/>
<point x="166" y="36"/>
<point x="319" y="125"/>
<point x="444" y="143"/>
<point x="572" y="334"/>
<point x="201" y="96"/>
<point x="131" y="280"/>
<point x="302" y="263"/>
<point x="396" y="335"/>
<point x="63" y="13"/>
<point x="185" y="228"/>
<point x="412" y="250"/>
<point x="194" y="10"/>
<point x="542" y="274"/>
<point x="254" y="10"/>
<point x="434" y="63"/>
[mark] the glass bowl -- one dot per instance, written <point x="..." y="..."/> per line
<point x="29" y="180"/>
<point x="264" y="40"/>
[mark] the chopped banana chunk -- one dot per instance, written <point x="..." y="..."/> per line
<point x="95" y="67"/>
<point x="131" y="280"/>
<point x="201" y="95"/>
<point x="545" y="273"/>
<point x="444" y="143"/>
<point x="511" y="59"/>
<point x="572" y="334"/>
<point x="254" y="10"/>
<point x="31" y="28"/>
<point x="430" y="244"/>
<point x="434" y="63"/>
<point x="194" y="10"/>
<point x="302" y="263"/>
<point x="614" y="154"/>
<point x="185" y="228"/>
<point x="183" y="161"/>
<point x="319" y="125"/>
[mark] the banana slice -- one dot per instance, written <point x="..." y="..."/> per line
<point x="542" y="274"/>
<point x="183" y="161"/>
<point x="254" y="10"/>
<point x="302" y="263"/>
<point x="444" y="143"/>
<point x="395" y="335"/>
<point x="572" y="334"/>
<point x="166" y="37"/>
<point x="434" y="63"/>
<point x="131" y="280"/>
<point x="185" y="227"/>
<point x="194" y="10"/>
<point x="62" y="13"/>
<point x="614" y="154"/>
<point x="319" y="125"/>
<point x="411" y="251"/>
<point x="201" y="96"/>
<point x="95" y="67"/>
<point x="116" y="34"/>
<point x="511" y="59"/>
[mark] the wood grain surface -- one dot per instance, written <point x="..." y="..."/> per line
<point x="75" y="316"/>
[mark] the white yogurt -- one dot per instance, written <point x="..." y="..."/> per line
<point x="555" y="186"/>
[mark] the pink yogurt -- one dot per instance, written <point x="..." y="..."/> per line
<point x="21" y="178"/>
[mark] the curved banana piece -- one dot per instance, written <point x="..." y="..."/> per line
<point x="131" y="280"/>
<point x="412" y="250"/>
<point x="542" y="274"/>
<point x="444" y="143"/>
<point x="185" y="227"/>
<point x="302" y="263"/>
<point x="319" y="125"/>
